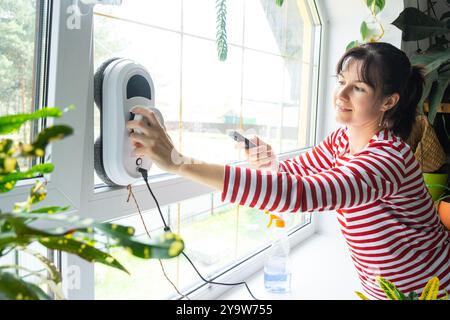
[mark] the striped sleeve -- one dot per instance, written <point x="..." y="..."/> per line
<point x="364" y="179"/>
<point x="313" y="161"/>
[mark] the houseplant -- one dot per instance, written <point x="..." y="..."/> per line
<point x="430" y="291"/>
<point x="417" y="25"/>
<point x="51" y="226"/>
<point x="371" y="30"/>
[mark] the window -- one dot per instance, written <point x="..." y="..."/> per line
<point x="24" y="39"/>
<point x="266" y="87"/>
<point x="217" y="236"/>
<point x="23" y="62"/>
<point x="262" y="88"/>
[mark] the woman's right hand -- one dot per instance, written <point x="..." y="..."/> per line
<point x="260" y="157"/>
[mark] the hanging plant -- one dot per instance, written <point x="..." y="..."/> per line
<point x="221" y="28"/>
<point x="221" y="36"/>
<point x="370" y="34"/>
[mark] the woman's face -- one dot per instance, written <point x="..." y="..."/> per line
<point x="355" y="101"/>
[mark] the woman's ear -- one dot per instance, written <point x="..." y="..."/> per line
<point x="390" y="102"/>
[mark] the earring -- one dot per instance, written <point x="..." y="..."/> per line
<point x="381" y="123"/>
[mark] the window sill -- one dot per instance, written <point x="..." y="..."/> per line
<point x="321" y="270"/>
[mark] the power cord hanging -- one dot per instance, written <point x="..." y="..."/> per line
<point x="144" y="174"/>
<point x="130" y="193"/>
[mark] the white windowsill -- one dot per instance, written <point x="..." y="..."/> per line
<point x="321" y="270"/>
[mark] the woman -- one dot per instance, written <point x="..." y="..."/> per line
<point x="363" y="170"/>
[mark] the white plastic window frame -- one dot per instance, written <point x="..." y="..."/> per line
<point x="70" y="82"/>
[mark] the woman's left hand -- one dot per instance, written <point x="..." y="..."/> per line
<point x="153" y="142"/>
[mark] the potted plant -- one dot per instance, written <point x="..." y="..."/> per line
<point x="430" y="291"/>
<point x="443" y="207"/>
<point x="417" y="25"/>
<point x="51" y="226"/>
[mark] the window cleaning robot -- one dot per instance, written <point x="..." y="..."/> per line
<point x="119" y="85"/>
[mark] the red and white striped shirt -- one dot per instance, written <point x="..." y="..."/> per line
<point x="386" y="214"/>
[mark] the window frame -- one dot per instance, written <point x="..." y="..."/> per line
<point x="70" y="81"/>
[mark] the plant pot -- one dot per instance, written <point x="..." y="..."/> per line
<point x="444" y="213"/>
<point x="435" y="183"/>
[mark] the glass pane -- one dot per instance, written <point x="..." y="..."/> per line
<point x="211" y="100"/>
<point x="17" y="68"/>
<point x="294" y="30"/>
<point x="159" y="53"/>
<point x="216" y="235"/>
<point x="27" y="260"/>
<point x="264" y="25"/>
<point x="262" y="88"/>
<point x="253" y="90"/>
<point x="161" y="14"/>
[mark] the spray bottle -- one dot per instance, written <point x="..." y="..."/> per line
<point x="277" y="269"/>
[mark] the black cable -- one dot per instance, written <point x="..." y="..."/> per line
<point x="144" y="174"/>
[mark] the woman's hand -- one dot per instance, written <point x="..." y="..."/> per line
<point x="260" y="157"/>
<point x="153" y="142"/>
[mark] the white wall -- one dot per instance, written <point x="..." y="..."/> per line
<point x="342" y="20"/>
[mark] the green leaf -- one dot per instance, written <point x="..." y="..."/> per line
<point x="445" y="15"/>
<point x="417" y="26"/>
<point x="7" y="165"/>
<point x="48" y="135"/>
<point x="81" y="249"/>
<point x="7" y="181"/>
<point x="429" y="79"/>
<point x="379" y="6"/>
<point x="57" y="225"/>
<point x="352" y="44"/>
<point x="36" y="169"/>
<point x="279" y="2"/>
<point x="392" y="293"/>
<point x="32" y="228"/>
<point x="361" y="296"/>
<point x="413" y="296"/>
<point x="12" y="123"/>
<point x="20" y="227"/>
<point x="39" y="292"/>
<point x="431" y="289"/>
<point x="37" y="193"/>
<point x="51" y="209"/>
<point x="11" y="238"/>
<point x="14" y="288"/>
<point x="375" y="6"/>
<point x="6" y="146"/>
<point x="364" y="30"/>
<point x="115" y="230"/>
<point x="431" y="60"/>
<point x="7" y="186"/>
<point x="169" y="245"/>
<point x="437" y="93"/>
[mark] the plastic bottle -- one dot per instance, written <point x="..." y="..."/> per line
<point x="277" y="269"/>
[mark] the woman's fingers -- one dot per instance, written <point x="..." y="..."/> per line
<point x="149" y="115"/>
<point x="138" y="124"/>
<point x="260" y="152"/>
<point x="139" y="152"/>
<point x="144" y="140"/>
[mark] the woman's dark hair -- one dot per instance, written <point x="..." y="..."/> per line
<point x="388" y="70"/>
